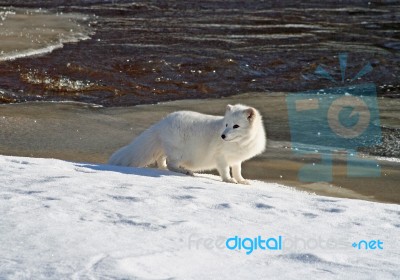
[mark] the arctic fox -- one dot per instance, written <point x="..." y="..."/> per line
<point x="186" y="141"/>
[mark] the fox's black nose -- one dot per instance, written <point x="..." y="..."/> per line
<point x="223" y="136"/>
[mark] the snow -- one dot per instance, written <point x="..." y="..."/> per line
<point x="66" y="220"/>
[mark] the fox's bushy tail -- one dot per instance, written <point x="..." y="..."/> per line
<point x="142" y="151"/>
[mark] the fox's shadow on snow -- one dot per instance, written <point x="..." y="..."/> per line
<point x="145" y="171"/>
<point x="148" y="172"/>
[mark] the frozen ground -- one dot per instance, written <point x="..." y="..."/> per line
<point x="65" y="220"/>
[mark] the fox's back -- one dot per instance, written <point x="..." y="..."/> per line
<point x="196" y="135"/>
<point x="188" y="123"/>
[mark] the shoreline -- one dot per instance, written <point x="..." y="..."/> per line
<point x="84" y="133"/>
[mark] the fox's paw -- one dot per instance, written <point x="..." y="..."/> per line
<point x="244" y="182"/>
<point x="229" y="180"/>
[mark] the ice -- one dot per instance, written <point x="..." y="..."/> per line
<point x="35" y="32"/>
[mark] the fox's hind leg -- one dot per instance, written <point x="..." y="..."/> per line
<point x="162" y="162"/>
<point x="174" y="157"/>
<point x="174" y="166"/>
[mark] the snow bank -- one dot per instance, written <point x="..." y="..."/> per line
<point x="65" y="220"/>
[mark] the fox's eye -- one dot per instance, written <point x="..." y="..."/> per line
<point x="236" y="126"/>
<point x="226" y="125"/>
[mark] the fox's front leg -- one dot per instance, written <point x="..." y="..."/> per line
<point x="224" y="171"/>
<point x="237" y="174"/>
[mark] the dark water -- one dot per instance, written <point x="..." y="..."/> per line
<point x="151" y="51"/>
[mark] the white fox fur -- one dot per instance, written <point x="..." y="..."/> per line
<point x="186" y="141"/>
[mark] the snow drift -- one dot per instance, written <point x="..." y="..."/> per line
<point x="66" y="220"/>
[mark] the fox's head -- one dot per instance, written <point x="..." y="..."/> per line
<point x="239" y="121"/>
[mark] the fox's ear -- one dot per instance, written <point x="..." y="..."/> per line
<point x="228" y="107"/>
<point x="250" y="113"/>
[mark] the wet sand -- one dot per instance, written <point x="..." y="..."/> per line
<point x="85" y="133"/>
